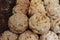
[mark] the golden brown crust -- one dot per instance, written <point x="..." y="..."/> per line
<point x="18" y="23"/>
<point x="39" y="23"/>
<point x="28" y="35"/>
<point x="7" y="35"/>
<point x="21" y="6"/>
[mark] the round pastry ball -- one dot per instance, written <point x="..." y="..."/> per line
<point x="39" y="23"/>
<point x="18" y="23"/>
<point x="55" y="25"/>
<point x="36" y="6"/>
<point x="21" y="6"/>
<point x="53" y="11"/>
<point x="28" y="35"/>
<point x="17" y="9"/>
<point x="7" y="35"/>
<point x="49" y="36"/>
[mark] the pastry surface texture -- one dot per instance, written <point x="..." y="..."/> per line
<point x="39" y="23"/>
<point x="21" y="6"/>
<point x="28" y="35"/>
<point x="55" y="25"/>
<point x="18" y="23"/>
<point x="49" y="36"/>
<point x="7" y="35"/>
<point x="36" y="6"/>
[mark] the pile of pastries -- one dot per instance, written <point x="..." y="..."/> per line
<point x="34" y="20"/>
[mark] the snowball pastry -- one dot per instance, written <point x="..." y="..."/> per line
<point x="28" y="35"/>
<point x="39" y="23"/>
<point x="18" y="23"/>
<point x="53" y="11"/>
<point x="49" y="36"/>
<point x="21" y="6"/>
<point x="56" y="25"/>
<point x="7" y="35"/>
<point x="59" y="36"/>
<point x="36" y="6"/>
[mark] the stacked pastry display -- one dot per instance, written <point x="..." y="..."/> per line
<point x="18" y="22"/>
<point x="21" y="6"/>
<point x="53" y="11"/>
<point x="34" y="20"/>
